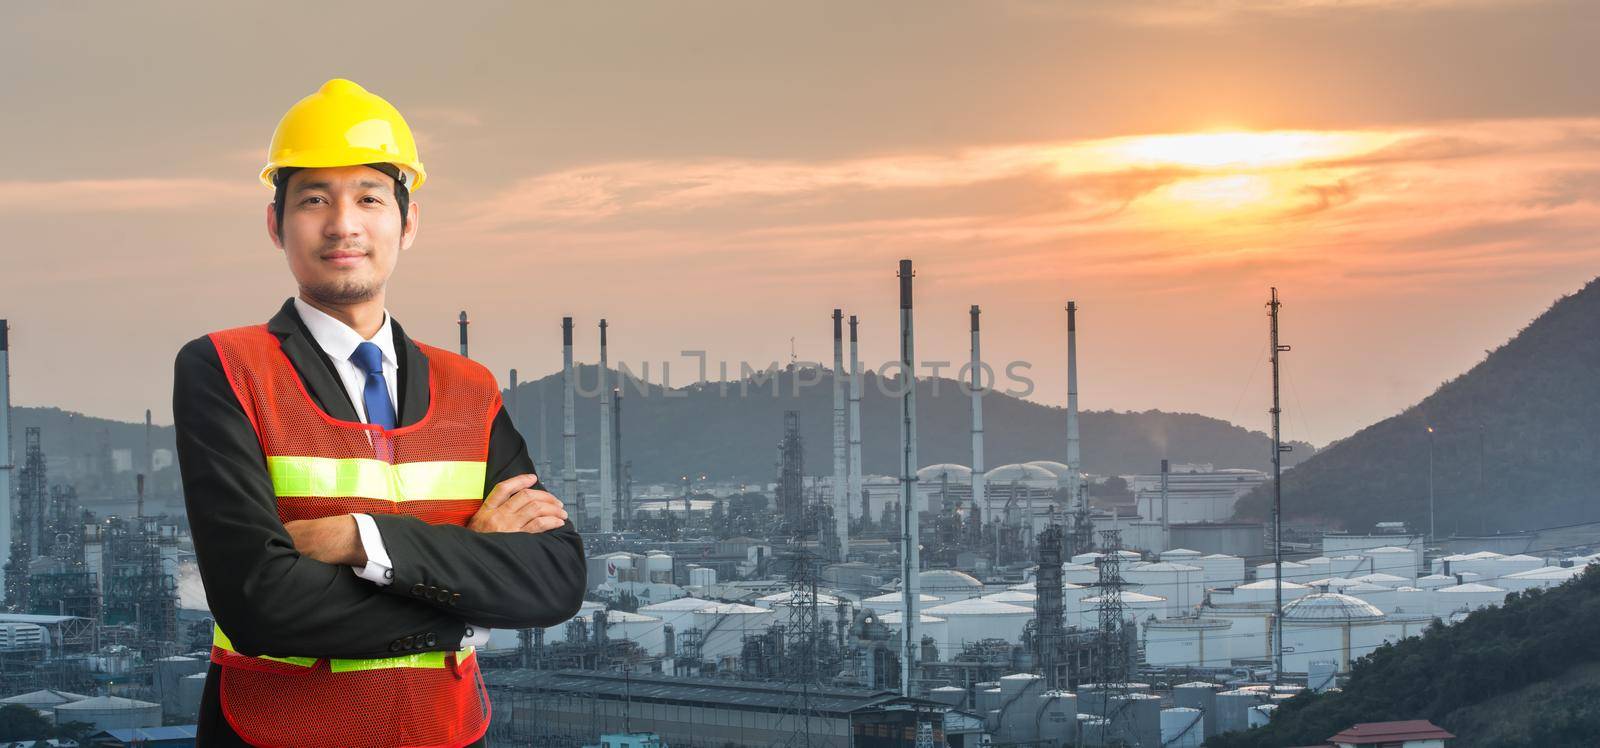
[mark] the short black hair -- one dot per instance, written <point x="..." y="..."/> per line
<point x="402" y="194"/>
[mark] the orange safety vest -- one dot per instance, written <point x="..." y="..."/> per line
<point x="433" y="469"/>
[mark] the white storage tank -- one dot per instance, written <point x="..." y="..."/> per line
<point x="1466" y="597"/>
<point x="1058" y="718"/>
<point x="1093" y="729"/>
<point x="1220" y="570"/>
<point x="1187" y="642"/>
<point x="1349" y="566"/>
<point x="168" y="672"/>
<point x="1182" y="585"/>
<point x="928" y="626"/>
<point x="1201" y="696"/>
<point x="1180" y="555"/>
<point x="1138" y="719"/>
<point x="702" y="576"/>
<point x="679" y="612"/>
<point x="1015" y="597"/>
<point x="1322" y="675"/>
<point x="975" y="619"/>
<point x="1182" y="727"/>
<point x="1411" y="600"/>
<point x="1233" y="709"/>
<point x="1544" y="576"/>
<point x="1329" y="626"/>
<point x="724" y="625"/>
<point x="891" y="602"/>
<point x="658" y="567"/>
<point x="1019" y="705"/>
<point x="1249" y="630"/>
<point x="1264" y="591"/>
<point x="1080" y="573"/>
<point x="1387" y="580"/>
<point x="1436" y="581"/>
<point x="1261" y="714"/>
<point x="954" y="696"/>
<point x="110" y="713"/>
<point x="1377" y="594"/>
<point x="641" y="629"/>
<point x="1390" y="559"/>
<point x="1136" y="607"/>
<point x="1292" y="571"/>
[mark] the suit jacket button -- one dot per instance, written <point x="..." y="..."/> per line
<point x="418" y="588"/>
<point x="394" y="646"/>
<point x="433" y="639"/>
<point x="455" y="599"/>
<point x="441" y="595"/>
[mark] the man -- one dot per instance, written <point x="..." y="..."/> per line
<point x="362" y="507"/>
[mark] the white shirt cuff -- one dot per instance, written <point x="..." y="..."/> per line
<point x="379" y="568"/>
<point x="475" y="636"/>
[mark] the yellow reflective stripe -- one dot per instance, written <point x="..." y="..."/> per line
<point x="301" y="476"/>
<point x="420" y="659"/>
<point x="220" y="640"/>
<point x="338" y="665"/>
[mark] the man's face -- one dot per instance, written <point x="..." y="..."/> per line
<point x="341" y="232"/>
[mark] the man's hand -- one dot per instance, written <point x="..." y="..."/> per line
<point x="331" y="540"/>
<point x="513" y="506"/>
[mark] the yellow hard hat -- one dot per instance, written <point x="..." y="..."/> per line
<point x="343" y="124"/>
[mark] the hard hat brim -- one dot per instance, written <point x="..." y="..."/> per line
<point x="346" y="156"/>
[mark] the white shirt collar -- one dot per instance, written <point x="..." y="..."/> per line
<point x="338" y="339"/>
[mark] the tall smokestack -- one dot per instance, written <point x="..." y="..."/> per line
<point x="5" y="444"/>
<point x="910" y="557"/>
<point x="1074" y="461"/>
<point x="139" y="487"/>
<point x="511" y="403"/>
<point x="976" y="386"/>
<point x="855" y="420"/>
<point x="623" y="510"/>
<point x="569" y="426"/>
<point x="606" y="491"/>
<point x="149" y="466"/>
<point x="544" y="466"/>
<point x="462" y="321"/>
<point x="1166" y="528"/>
<point x="841" y="500"/>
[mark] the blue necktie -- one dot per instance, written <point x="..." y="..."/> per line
<point x="375" y="396"/>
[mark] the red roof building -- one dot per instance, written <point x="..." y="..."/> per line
<point x="1411" y="733"/>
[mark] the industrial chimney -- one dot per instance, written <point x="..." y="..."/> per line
<point x="855" y="421"/>
<point x="569" y="426"/>
<point x="5" y="444"/>
<point x="462" y="321"/>
<point x="1074" y="460"/>
<point x="841" y="501"/>
<point x="606" y="488"/>
<point x="976" y="387"/>
<point x="910" y="556"/>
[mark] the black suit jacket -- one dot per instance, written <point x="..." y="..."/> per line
<point x="271" y="600"/>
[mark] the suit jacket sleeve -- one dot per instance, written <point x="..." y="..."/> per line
<point x="262" y="592"/>
<point x="496" y="579"/>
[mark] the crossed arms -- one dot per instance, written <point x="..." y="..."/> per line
<point x="274" y="598"/>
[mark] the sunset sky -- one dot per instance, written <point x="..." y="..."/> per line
<point x="1419" y="178"/>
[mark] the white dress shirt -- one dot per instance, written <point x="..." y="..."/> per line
<point x="339" y="341"/>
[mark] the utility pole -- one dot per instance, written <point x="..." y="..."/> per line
<point x="1277" y="500"/>
<point x="1432" y="537"/>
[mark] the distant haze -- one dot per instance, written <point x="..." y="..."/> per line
<point x="1418" y="177"/>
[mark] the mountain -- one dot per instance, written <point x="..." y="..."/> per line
<point x="724" y="432"/>
<point x="1522" y="675"/>
<point x="1516" y="442"/>
<point x="733" y="429"/>
<point x="78" y="450"/>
